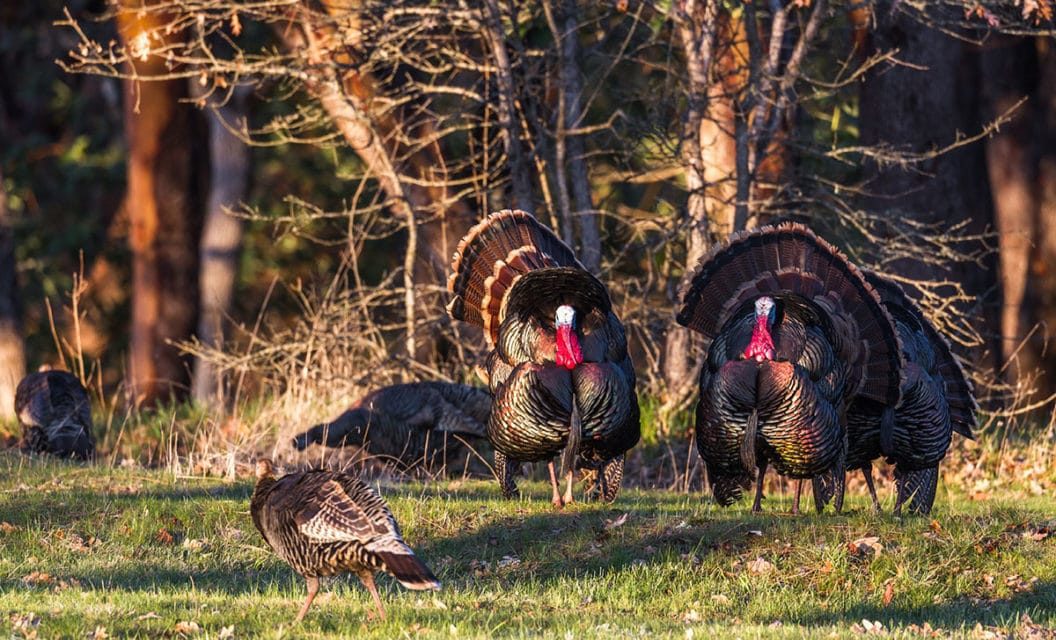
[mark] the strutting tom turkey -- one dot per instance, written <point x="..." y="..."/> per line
<point x="405" y="423"/>
<point x="937" y="400"/>
<point x="558" y="366"/>
<point x="794" y="334"/>
<point x="56" y="415"/>
<point x="324" y="523"/>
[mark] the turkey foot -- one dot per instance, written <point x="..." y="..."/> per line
<point x="556" y="499"/>
<point x="799" y="491"/>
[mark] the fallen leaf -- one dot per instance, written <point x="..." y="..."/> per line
<point x="760" y="565"/>
<point x="25" y="621"/>
<point x="193" y="544"/>
<point x="618" y="522"/>
<point x="7" y="527"/>
<point x="187" y="628"/>
<point x="889" y="593"/>
<point x="935" y="526"/>
<point x="226" y="632"/>
<point x="691" y="616"/>
<point x="98" y="634"/>
<point x="36" y="578"/>
<point x="508" y="561"/>
<point x="868" y="546"/>
<point x="164" y="537"/>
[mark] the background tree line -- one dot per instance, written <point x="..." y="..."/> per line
<point x="199" y="192"/>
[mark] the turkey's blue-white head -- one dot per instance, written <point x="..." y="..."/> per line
<point x="761" y="346"/>
<point x="765" y="308"/>
<point x="568" y="353"/>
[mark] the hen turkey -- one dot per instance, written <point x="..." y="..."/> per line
<point x="324" y="523"/>
<point x="55" y="414"/>
<point x="794" y="334"/>
<point x="937" y="400"/>
<point x="403" y="422"/>
<point x="558" y="366"/>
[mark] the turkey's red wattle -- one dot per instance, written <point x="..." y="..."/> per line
<point x="761" y="346"/>
<point x="568" y="352"/>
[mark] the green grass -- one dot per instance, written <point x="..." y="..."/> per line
<point x="138" y="552"/>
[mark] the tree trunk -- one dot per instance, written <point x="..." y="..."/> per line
<point x="163" y="215"/>
<point x="1041" y="292"/>
<point x="572" y="87"/>
<point x="221" y="238"/>
<point x="1009" y="74"/>
<point x="707" y="151"/>
<point x="519" y="163"/>
<point x="917" y="110"/>
<point x="347" y="99"/>
<point x="12" y="354"/>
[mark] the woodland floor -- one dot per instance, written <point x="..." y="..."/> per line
<point x="111" y="552"/>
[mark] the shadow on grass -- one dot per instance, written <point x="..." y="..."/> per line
<point x="1039" y="604"/>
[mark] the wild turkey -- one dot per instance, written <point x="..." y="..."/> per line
<point x="558" y="365"/>
<point x="402" y="422"/>
<point x="937" y="400"/>
<point x="55" y="414"/>
<point x="324" y="523"/>
<point x="794" y="334"/>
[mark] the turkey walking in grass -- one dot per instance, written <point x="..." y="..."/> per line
<point x="325" y="523"/>
<point x="795" y="333"/>
<point x="402" y="422"/>
<point x="558" y="365"/>
<point x="55" y="414"/>
<point x="937" y="400"/>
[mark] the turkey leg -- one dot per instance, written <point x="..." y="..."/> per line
<point x="569" y="499"/>
<point x="556" y="499"/>
<point x="367" y="578"/>
<point x="757" y="506"/>
<point x="313" y="588"/>
<point x="795" y="503"/>
<point x="867" y="471"/>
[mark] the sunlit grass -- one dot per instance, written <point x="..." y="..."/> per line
<point x="139" y="552"/>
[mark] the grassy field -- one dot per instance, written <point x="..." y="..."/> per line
<point x="111" y="552"/>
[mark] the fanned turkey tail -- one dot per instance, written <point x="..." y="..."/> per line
<point x="510" y="263"/>
<point x="791" y="259"/>
<point x="960" y="395"/>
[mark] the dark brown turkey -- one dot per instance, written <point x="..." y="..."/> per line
<point x="937" y="400"/>
<point x="405" y="422"/>
<point x="794" y="334"/>
<point x="55" y="414"/>
<point x="558" y="366"/>
<point x="324" y="523"/>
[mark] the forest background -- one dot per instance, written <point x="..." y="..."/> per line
<point x="242" y="213"/>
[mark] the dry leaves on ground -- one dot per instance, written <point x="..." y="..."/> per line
<point x="867" y="547"/>
<point x="760" y="566"/>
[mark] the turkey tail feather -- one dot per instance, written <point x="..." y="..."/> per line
<point x="748" y="444"/>
<point x="824" y="486"/>
<point x="918" y="487"/>
<point x="409" y="570"/>
<point x="575" y="436"/>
